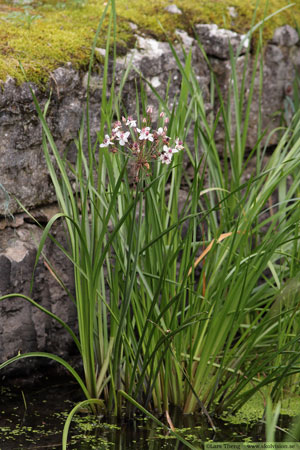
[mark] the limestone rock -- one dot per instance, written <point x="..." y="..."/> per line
<point x="285" y="36"/>
<point x="217" y="41"/>
<point x="155" y="61"/>
<point x="23" y="327"/>
<point x="23" y="170"/>
<point x="173" y="9"/>
<point x="279" y="70"/>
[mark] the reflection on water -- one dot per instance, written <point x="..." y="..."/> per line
<point x="33" y="418"/>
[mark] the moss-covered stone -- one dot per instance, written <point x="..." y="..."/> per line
<point x="44" y="34"/>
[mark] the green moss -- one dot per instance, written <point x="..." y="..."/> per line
<point x="53" y="32"/>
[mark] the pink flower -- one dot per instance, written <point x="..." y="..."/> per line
<point x="115" y="130"/>
<point x="149" y="110"/>
<point x="117" y="125"/>
<point x="162" y="133"/>
<point x="169" y="150"/>
<point x="178" y="144"/>
<point x="130" y="122"/>
<point x="166" y="158"/>
<point x="135" y="147"/>
<point x="122" y="137"/>
<point x="106" y="142"/>
<point x="145" y="134"/>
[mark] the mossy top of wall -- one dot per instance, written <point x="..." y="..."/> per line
<point x="45" y="34"/>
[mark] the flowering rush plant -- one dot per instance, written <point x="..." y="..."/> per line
<point x="144" y="144"/>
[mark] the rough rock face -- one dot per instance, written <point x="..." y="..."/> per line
<point x="24" y="175"/>
<point x="218" y="42"/>
<point x="23" y="327"/>
<point x="281" y="61"/>
<point x="23" y="171"/>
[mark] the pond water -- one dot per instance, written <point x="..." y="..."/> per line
<point x="32" y="417"/>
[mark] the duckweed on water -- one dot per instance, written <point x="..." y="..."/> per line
<point x="253" y="410"/>
<point x="44" y="426"/>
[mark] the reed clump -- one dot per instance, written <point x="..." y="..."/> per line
<point x="196" y="306"/>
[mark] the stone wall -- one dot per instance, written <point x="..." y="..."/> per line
<point x="24" y="175"/>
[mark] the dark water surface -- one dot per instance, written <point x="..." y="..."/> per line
<point x="32" y="417"/>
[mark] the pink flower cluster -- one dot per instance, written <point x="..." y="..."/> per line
<point x="144" y="144"/>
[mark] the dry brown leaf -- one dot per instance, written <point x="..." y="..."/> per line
<point x="208" y="248"/>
